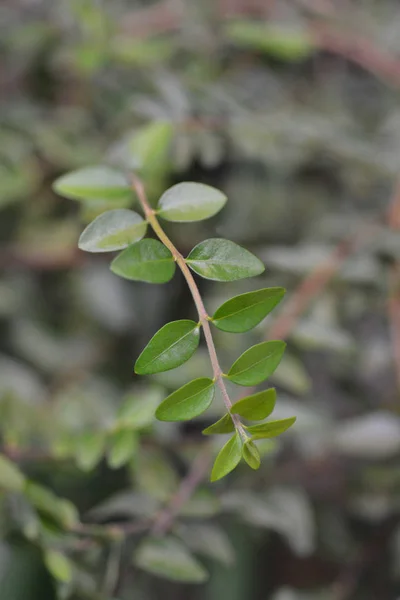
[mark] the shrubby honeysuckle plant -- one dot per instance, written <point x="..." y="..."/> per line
<point x="155" y="261"/>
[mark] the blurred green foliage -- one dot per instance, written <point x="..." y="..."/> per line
<point x="305" y="143"/>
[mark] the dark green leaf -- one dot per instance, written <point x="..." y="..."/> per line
<point x="188" y="402"/>
<point x="170" y="347"/>
<point x="257" y="364"/>
<point x="222" y="260"/>
<point x="93" y="183"/>
<point x="228" y="458"/>
<point x="190" y="201"/>
<point x="89" y="449"/>
<point x="167" y="557"/>
<point x="58" y="565"/>
<point x="271" y="429"/>
<point x="113" y="230"/>
<point x="224" y="425"/>
<point x="123" y="444"/>
<point x="11" y="478"/>
<point x="256" y="407"/>
<point x="244" y="312"/>
<point x="147" y="260"/>
<point x="251" y="455"/>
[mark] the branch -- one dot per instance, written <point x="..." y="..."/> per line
<point x="203" y="316"/>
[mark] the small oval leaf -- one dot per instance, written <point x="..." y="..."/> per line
<point x="228" y="458"/>
<point x="271" y="429"/>
<point x="170" y="347"/>
<point x="123" y="444"/>
<point x="11" y="478"/>
<point x="147" y="260"/>
<point x="188" y="402"/>
<point x="113" y="230"/>
<point x="93" y="183"/>
<point x="242" y="313"/>
<point x="257" y="363"/>
<point x="257" y="406"/>
<point x="224" y="425"/>
<point x="89" y="449"/>
<point x="167" y="557"/>
<point x="58" y="565"/>
<point x="223" y="260"/>
<point x="251" y="455"/>
<point x="189" y="201"/>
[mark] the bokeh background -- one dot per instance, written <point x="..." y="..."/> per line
<point x="292" y="109"/>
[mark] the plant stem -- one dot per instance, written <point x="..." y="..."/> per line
<point x="203" y="316"/>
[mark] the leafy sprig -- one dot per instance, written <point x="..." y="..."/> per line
<point x="155" y="261"/>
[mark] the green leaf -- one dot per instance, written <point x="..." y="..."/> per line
<point x="11" y="478"/>
<point x="59" y="565"/>
<point x="257" y="363"/>
<point x="251" y="455"/>
<point x="190" y="201"/>
<point x="89" y="449"/>
<point x="60" y="510"/>
<point x="170" y="347"/>
<point x="244" y="312"/>
<point x="138" y="409"/>
<point x="270" y="429"/>
<point x="93" y="183"/>
<point x="256" y="407"/>
<point x="113" y="230"/>
<point x="228" y="458"/>
<point x="208" y="540"/>
<point x="224" y="425"/>
<point x="154" y="474"/>
<point x="281" y="42"/>
<point x="222" y="260"/>
<point x="147" y="260"/>
<point x="169" y="558"/>
<point x="149" y="146"/>
<point x="123" y="444"/>
<point x="188" y="402"/>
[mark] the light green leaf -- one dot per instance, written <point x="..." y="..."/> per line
<point x="170" y="347"/>
<point x="222" y="260"/>
<point x="149" y="146"/>
<point x="270" y="429"/>
<point x="60" y="510"/>
<point x="281" y="42"/>
<point x="59" y="565"/>
<point x="113" y="230"/>
<point x="123" y="444"/>
<point x="244" y="312"/>
<point x="169" y="558"/>
<point x="224" y="425"/>
<point x="89" y="449"/>
<point x="190" y="201"/>
<point x="147" y="260"/>
<point x="251" y="455"/>
<point x="137" y="410"/>
<point x="93" y="183"/>
<point x="228" y="458"/>
<point x="256" y="407"/>
<point x="188" y="402"/>
<point x="257" y="364"/>
<point x="11" y="478"/>
<point x="154" y="474"/>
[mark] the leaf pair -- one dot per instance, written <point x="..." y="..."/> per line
<point x="237" y="448"/>
<point x="217" y="259"/>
